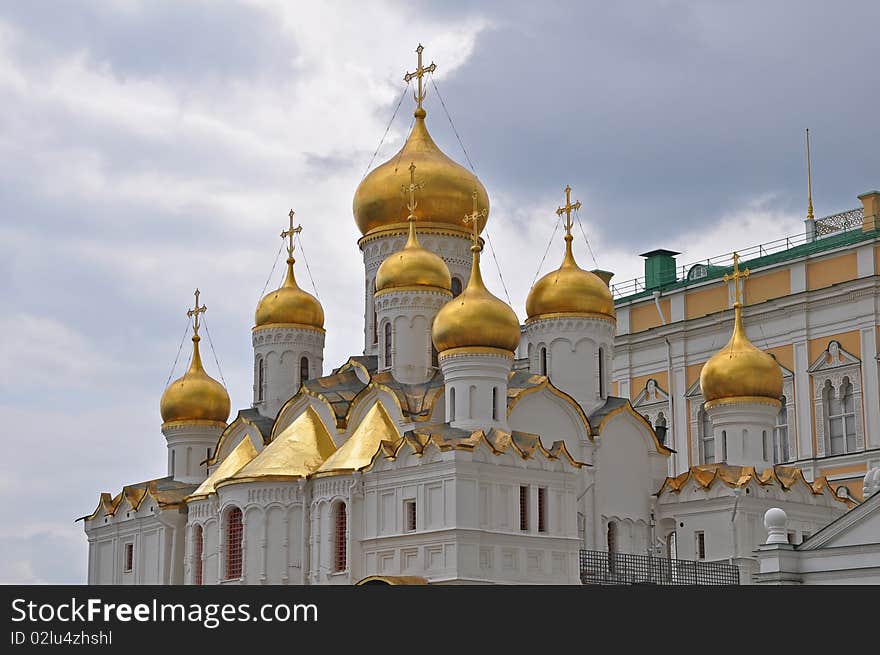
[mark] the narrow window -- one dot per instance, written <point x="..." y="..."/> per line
<point x="452" y="403"/>
<point x="707" y="437"/>
<point x="434" y="361"/>
<point x="472" y="401"/>
<point x="542" y="509"/>
<point x="724" y="445"/>
<point x="611" y="538"/>
<point x="233" y="544"/>
<point x="601" y="373"/>
<point x="671" y="546"/>
<point x="207" y="457"/>
<point x="494" y="403"/>
<point x="129" y="557"/>
<point x="523" y="508"/>
<point x="765" y="446"/>
<point x="173" y="452"/>
<point x="456" y="287"/>
<point x="260" y="379"/>
<point x="834" y="412"/>
<point x="303" y="369"/>
<point x="780" y="435"/>
<point x="198" y="547"/>
<point x="409" y="512"/>
<point x="700" y="538"/>
<point x="387" y="356"/>
<point x="375" y="318"/>
<point x="543" y="363"/>
<point x="849" y="415"/>
<point x="339" y="560"/>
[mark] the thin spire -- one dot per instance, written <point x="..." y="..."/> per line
<point x="810" y="216"/>
<point x="419" y="73"/>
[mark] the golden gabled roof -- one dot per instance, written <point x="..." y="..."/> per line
<point x="243" y="452"/>
<point x="361" y="447"/>
<point x="166" y="493"/>
<point x="294" y="453"/>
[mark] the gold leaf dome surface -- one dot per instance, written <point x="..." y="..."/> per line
<point x="289" y="304"/>
<point x="740" y="370"/>
<point x="195" y="396"/>
<point x="476" y="318"/>
<point x="448" y="193"/>
<point x="570" y="290"/>
<point x="413" y="266"/>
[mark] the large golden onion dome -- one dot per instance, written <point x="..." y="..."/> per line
<point x="195" y="396"/>
<point x="740" y="372"/>
<point x="475" y="318"/>
<point x="379" y="205"/>
<point x="570" y="291"/>
<point x="289" y="305"/>
<point x="413" y="267"/>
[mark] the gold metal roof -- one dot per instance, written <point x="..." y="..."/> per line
<point x="243" y="452"/>
<point x="362" y="446"/>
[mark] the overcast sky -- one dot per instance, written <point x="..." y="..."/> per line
<point x="147" y="148"/>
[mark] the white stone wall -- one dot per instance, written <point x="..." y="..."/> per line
<point x="476" y="389"/>
<point x="744" y="433"/>
<point x="411" y="316"/>
<point x="281" y="349"/>
<point x="189" y="444"/>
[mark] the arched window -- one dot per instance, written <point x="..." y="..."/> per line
<point x="780" y="435"/>
<point x="601" y="372"/>
<point x="456" y="287"/>
<point x="173" y="453"/>
<point x="386" y="357"/>
<point x="840" y="409"/>
<point x="434" y="361"/>
<point x="375" y="318"/>
<point x="612" y="545"/>
<point x="472" y="401"/>
<point x="707" y="437"/>
<point x="303" y="369"/>
<point x="494" y="403"/>
<point x="233" y="543"/>
<point x="260" y="375"/>
<point x="671" y="546"/>
<point x="451" y="403"/>
<point x="198" y="548"/>
<point x="339" y="538"/>
<point x="724" y="445"/>
<point x="542" y="365"/>
<point x="660" y="427"/>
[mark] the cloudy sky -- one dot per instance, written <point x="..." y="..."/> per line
<point x="148" y="147"/>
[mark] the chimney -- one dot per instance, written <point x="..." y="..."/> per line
<point x="659" y="268"/>
<point x="871" y="202"/>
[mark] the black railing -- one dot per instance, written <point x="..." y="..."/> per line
<point x="598" y="567"/>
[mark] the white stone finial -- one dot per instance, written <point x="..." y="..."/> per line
<point x="775" y="521"/>
<point x="871" y="484"/>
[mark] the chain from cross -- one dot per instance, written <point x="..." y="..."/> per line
<point x="289" y="234"/>
<point x="736" y="277"/>
<point x="474" y="217"/>
<point x="419" y="73"/>
<point x="567" y="209"/>
<point x="411" y="189"/>
<point x="194" y="314"/>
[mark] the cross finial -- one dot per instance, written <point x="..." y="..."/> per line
<point x="419" y="73"/>
<point x="736" y="277"/>
<point x="194" y="314"/>
<point x="290" y="233"/>
<point x="411" y="188"/>
<point x="567" y="209"/>
<point x="474" y="218"/>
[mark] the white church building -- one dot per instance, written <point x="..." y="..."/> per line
<point x="461" y="445"/>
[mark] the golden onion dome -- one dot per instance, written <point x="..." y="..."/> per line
<point x="475" y="318"/>
<point x="413" y="267"/>
<point x="570" y="291"/>
<point x="195" y="396"/>
<point x="740" y="370"/>
<point x="289" y="305"/>
<point x="378" y="203"/>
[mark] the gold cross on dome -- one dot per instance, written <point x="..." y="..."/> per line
<point x="419" y="73"/>
<point x="194" y="314"/>
<point x="736" y="277"/>
<point x="411" y="188"/>
<point x="474" y="217"/>
<point x="567" y="209"/>
<point x="289" y="234"/>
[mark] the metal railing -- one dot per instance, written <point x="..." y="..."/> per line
<point x="600" y="567"/>
<point x="695" y="271"/>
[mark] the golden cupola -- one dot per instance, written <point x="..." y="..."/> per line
<point x="413" y="267"/>
<point x="377" y="203"/>
<point x="195" y="396"/>
<point x="740" y="372"/>
<point x="290" y="305"/>
<point x="570" y="290"/>
<point x="475" y="318"/>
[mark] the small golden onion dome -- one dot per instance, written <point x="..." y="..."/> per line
<point x="378" y="203"/>
<point x="413" y="267"/>
<point x="475" y="318"/>
<point x="570" y="291"/>
<point x="289" y="304"/>
<point x="740" y="370"/>
<point x="195" y="396"/>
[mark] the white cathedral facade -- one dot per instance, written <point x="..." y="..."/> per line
<point x="461" y="446"/>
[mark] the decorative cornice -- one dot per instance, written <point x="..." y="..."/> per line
<point x="470" y="351"/>
<point x="744" y="400"/>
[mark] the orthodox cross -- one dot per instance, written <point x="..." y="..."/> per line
<point x="474" y="217"/>
<point x="736" y="277"/>
<point x="194" y="314"/>
<point x="289" y="234"/>
<point x="419" y="73"/>
<point x="411" y="189"/>
<point x="567" y="209"/>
